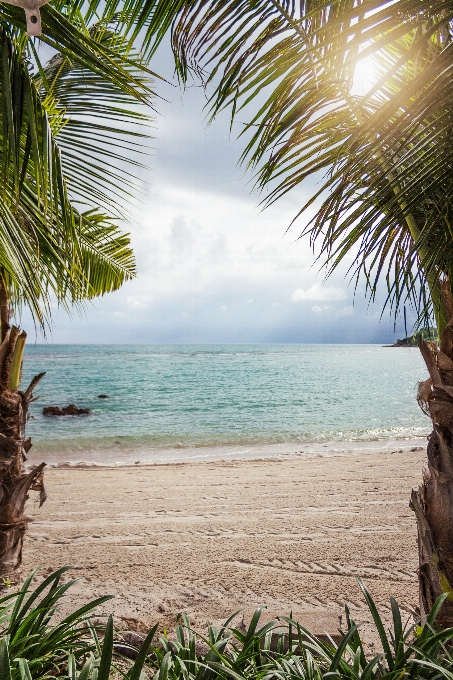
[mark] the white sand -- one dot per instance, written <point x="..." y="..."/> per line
<point x="210" y="538"/>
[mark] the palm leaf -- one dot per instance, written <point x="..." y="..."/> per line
<point x="287" y="69"/>
<point x="60" y="148"/>
<point x="103" y="138"/>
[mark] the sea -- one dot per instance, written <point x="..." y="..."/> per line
<point x="175" y="403"/>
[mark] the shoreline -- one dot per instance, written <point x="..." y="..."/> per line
<point x="112" y="458"/>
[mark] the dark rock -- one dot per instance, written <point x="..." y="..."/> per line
<point x="126" y="651"/>
<point x="403" y="343"/>
<point x="70" y="410"/>
<point x="52" y="411"/>
<point x="133" y="639"/>
<point x="132" y="644"/>
<point x="103" y="396"/>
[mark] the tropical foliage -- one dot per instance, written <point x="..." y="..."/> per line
<point x="33" y="645"/>
<point x="72" y="132"/>
<point x="286" y="71"/>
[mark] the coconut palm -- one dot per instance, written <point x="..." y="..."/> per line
<point x="286" y="71"/>
<point x="72" y="131"/>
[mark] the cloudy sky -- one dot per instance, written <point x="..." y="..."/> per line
<point x="212" y="267"/>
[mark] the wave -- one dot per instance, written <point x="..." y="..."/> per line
<point x="162" y="442"/>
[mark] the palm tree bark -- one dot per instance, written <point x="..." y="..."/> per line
<point x="4" y="310"/>
<point x="433" y="501"/>
<point x="15" y="479"/>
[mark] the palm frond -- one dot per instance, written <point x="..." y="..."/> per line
<point x="106" y="258"/>
<point x="104" y="136"/>
<point x="288" y="69"/>
<point x="66" y="30"/>
<point x="59" y="150"/>
<point x="32" y="185"/>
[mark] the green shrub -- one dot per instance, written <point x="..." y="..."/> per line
<point x="295" y="654"/>
<point x="34" y="646"/>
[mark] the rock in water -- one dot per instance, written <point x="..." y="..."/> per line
<point x="103" y="396"/>
<point x="70" y="410"/>
<point x="52" y="411"/>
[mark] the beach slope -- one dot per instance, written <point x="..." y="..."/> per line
<point x="210" y="538"/>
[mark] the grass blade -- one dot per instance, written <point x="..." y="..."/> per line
<point x="136" y="670"/>
<point x="24" y="669"/>
<point x="5" y="670"/>
<point x="379" y="625"/>
<point x="107" y="652"/>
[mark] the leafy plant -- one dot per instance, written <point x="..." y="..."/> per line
<point x="286" y="72"/>
<point x="285" y="650"/>
<point x="29" y="632"/>
<point x="32" y="646"/>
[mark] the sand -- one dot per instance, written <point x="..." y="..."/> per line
<point x="211" y="538"/>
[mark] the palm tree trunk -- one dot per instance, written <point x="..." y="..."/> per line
<point x="433" y="501"/>
<point x="15" y="479"/>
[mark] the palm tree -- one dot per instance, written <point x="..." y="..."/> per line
<point x="287" y="69"/>
<point x="71" y="137"/>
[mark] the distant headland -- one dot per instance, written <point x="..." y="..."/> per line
<point x="428" y="335"/>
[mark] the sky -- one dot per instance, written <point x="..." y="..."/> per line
<point x="213" y="267"/>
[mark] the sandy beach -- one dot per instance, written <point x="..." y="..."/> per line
<point x="210" y="538"/>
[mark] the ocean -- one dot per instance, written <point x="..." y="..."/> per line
<point x="170" y="403"/>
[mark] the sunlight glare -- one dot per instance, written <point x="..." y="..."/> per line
<point x="365" y="76"/>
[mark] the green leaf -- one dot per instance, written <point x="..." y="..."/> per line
<point x="24" y="669"/>
<point x="107" y="651"/>
<point x="135" y="672"/>
<point x="5" y="670"/>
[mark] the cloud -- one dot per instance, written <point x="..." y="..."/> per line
<point x="181" y="237"/>
<point x="224" y="307"/>
<point x="319" y="308"/>
<point x="302" y="262"/>
<point x="201" y="243"/>
<point x="135" y="302"/>
<point x="318" y="292"/>
<point x="345" y="311"/>
<point x="275" y="304"/>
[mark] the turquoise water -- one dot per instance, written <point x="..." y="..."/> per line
<point x="172" y="401"/>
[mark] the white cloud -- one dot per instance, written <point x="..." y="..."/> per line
<point x="345" y="311"/>
<point x="275" y="304"/>
<point x="302" y="262"/>
<point x="319" y="308"/>
<point x="200" y="238"/>
<point x="181" y="237"/>
<point x="318" y="292"/>
<point x="224" y="307"/>
<point x="135" y="302"/>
